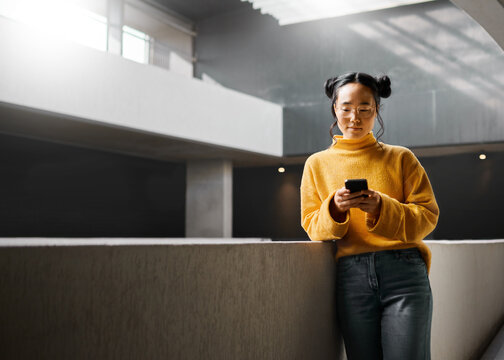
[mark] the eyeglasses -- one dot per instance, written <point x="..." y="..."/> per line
<point x="363" y="111"/>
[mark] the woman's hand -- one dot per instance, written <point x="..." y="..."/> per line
<point x="344" y="200"/>
<point x="371" y="204"/>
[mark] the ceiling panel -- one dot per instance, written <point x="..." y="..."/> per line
<point x="196" y="10"/>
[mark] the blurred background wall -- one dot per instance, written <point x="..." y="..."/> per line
<point x="447" y="103"/>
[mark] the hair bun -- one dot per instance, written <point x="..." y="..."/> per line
<point x="384" y="89"/>
<point x="329" y="87"/>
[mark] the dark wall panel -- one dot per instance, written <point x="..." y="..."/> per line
<point x="470" y="194"/>
<point x="468" y="190"/>
<point x="55" y="190"/>
<point x="266" y="203"/>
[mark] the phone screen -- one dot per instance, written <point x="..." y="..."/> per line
<point x="355" y="185"/>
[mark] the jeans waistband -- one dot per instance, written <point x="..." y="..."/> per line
<point x="395" y="252"/>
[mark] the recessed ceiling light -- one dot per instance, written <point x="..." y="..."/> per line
<point x="482" y="156"/>
<point x="281" y="169"/>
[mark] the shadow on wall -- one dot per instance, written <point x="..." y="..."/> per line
<point x="447" y="72"/>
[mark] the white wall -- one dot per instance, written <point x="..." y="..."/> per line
<point x="65" y="78"/>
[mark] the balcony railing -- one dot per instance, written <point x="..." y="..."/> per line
<point x="202" y="299"/>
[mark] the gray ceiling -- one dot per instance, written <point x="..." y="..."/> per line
<point x="196" y="10"/>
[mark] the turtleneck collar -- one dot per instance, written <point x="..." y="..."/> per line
<point x="353" y="144"/>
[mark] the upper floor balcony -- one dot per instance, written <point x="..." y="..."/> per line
<point x="58" y="90"/>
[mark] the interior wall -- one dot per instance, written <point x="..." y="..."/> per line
<point x="56" y="190"/>
<point x="447" y="72"/>
<point x="267" y="203"/>
<point x="469" y="193"/>
<point x="467" y="189"/>
<point x="53" y="190"/>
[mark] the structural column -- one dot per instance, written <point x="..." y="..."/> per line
<point x="115" y="21"/>
<point x="209" y="198"/>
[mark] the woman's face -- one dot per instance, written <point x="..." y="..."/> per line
<point x="355" y="109"/>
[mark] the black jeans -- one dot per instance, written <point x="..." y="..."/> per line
<point x="384" y="304"/>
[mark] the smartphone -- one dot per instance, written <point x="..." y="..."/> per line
<point x="355" y="185"/>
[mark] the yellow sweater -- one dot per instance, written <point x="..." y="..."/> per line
<point x="408" y="213"/>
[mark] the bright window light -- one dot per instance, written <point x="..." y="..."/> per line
<point x="295" y="11"/>
<point x="59" y="20"/>
<point x="135" y="45"/>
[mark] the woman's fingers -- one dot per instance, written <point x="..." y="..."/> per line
<point x="344" y="200"/>
<point x="369" y="192"/>
<point x="342" y="191"/>
<point x="366" y="200"/>
<point x="341" y="199"/>
<point x="372" y="203"/>
<point x="355" y="195"/>
<point x="347" y="204"/>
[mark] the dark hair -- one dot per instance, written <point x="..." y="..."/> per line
<point x="380" y="86"/>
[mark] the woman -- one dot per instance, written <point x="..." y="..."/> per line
<point x="384" y="299"/>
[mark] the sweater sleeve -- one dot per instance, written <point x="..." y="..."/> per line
<point x="414" y="219"/>
<point x="316" y="218"/>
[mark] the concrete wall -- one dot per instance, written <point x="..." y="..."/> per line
<point x="447" y="72"/>
<point x="41" y="72"/>
<point x="206" y="301"/>
<point x="487" y="13"/>
<point x="466" y="281"/>
<point x="200" y="299"/>
<point x="209" y="199"/>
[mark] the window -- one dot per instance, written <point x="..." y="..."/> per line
<point x="59" y="20"/>
<point x="135" y="45"/>
<point x="82" y="22"/>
